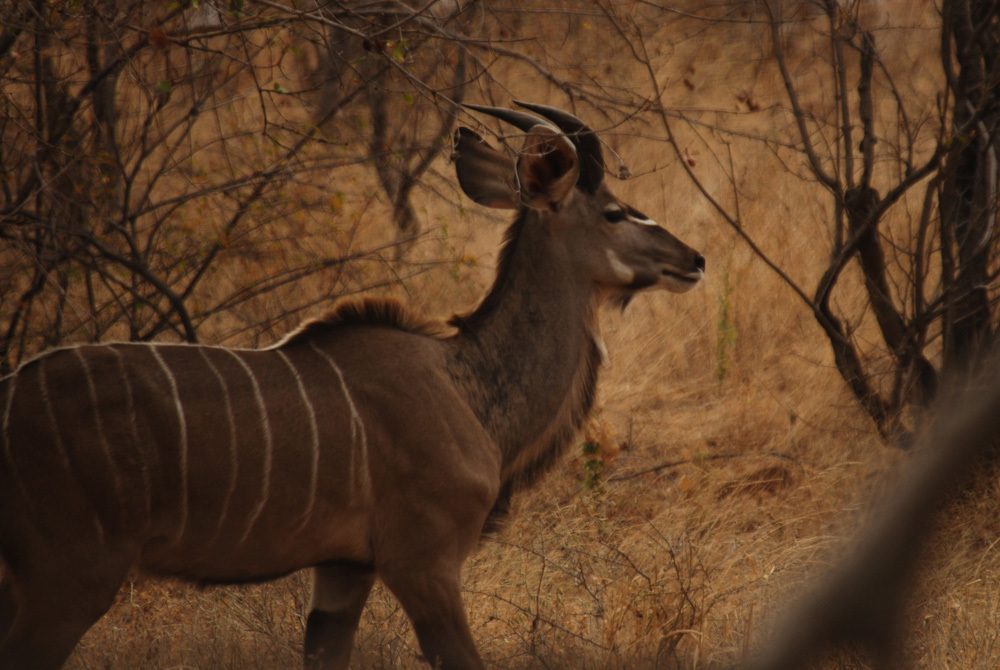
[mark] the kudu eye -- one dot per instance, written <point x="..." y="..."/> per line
<point x="615" y="215"/>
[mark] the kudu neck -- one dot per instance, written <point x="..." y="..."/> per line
<point x="527" y="355"/>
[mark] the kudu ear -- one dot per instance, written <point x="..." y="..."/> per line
<point x="547" y="168"/>
<point x="486" y="175"/>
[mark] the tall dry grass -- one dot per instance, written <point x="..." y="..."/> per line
<point x="754" y="478"/>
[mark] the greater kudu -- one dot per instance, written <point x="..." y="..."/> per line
<point x="368" y="443"/>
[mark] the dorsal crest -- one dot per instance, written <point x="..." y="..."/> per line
<point x="378" y="312"/>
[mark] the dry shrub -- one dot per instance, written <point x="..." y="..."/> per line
<point x="763" y="471"/>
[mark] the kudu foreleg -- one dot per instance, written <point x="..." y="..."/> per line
<point x="433" y="601"/>
<point x="54" y="601"/>
<point x="339" y="594"/>
<point x="45" y="631"/>
<point x="8" y="607"/>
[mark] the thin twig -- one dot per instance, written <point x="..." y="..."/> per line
<point x="700" y="459"/>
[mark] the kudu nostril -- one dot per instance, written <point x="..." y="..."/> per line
<point x="699" y="262"/>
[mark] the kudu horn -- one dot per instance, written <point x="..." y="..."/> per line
<point x="585" y="139"/>
<point x="580" y="134"/>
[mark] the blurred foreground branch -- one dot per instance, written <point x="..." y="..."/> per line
<point x="862" y="602"/>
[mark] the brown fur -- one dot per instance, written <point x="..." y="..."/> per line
<point x="370" y="443"/>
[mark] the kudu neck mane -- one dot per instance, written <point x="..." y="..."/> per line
<point x="384" y="312"/>
<point x="468" y="323"/>
<point x="530" y="354"/>
<point x="519" y="280"/>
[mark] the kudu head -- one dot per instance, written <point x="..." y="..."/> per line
<point x="558" y="176"/>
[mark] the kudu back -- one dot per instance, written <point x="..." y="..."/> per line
<point x="368" y="443"/>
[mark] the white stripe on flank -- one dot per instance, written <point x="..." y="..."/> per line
<point x="182" y="425"/>
<point x="268" y="446"/>
<point x="50" y="413"/>
<point x="137" y="445"/>
<point x="9" y="454"/>
<point x="5" y="426"/>
<point x="357" y="426"/>
<point x="51" y="416"/>
<point x="233" y="452"/>
<point x="314" y="430"/>
<point x="101" y="436"/>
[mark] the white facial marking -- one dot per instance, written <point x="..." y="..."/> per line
<point x="602" y="348"/>
<point x="622" y="271"/>
<point x="629" y="214"/>
<point x="640" y="220"/>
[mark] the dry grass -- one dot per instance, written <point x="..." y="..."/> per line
<point x="772" y="466"/>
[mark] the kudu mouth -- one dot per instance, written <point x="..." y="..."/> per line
<point x="680" y="266"/>
<point x="680" y="273"/>
<point x="677" y="282"/>
<point x="668" y="275"/>
<point x="689" y="278"/>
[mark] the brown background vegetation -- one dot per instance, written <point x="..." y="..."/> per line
<point x="757" y="459"/>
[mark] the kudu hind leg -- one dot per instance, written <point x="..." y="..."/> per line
<point x="339" y="594"/>
<point x="433" y="602"/>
